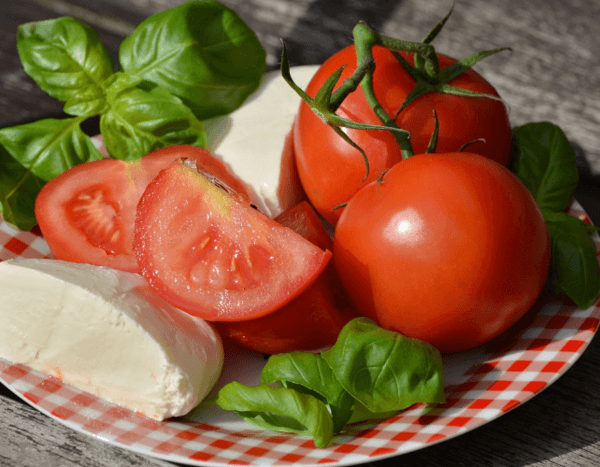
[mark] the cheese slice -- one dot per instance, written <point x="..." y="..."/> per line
<point x="255" y="141"/>
<point x="105" y="332"/>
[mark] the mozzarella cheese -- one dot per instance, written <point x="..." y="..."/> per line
<point x="105" y="332"/>
<point x="255" y="141"/>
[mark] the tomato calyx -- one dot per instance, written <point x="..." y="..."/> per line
<point x="434" y="135"/>
<point x="466" y="145"/>
<point x="426" y="69"/>
<point x="326" y="102"/>
<point x="431" y="147"/>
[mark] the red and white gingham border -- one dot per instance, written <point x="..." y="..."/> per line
<point x="500" y="377"/>
<point x="15" y="243"/>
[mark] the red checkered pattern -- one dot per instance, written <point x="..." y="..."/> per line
<point x="481" y="385"/>
<point x="17" y="244"/>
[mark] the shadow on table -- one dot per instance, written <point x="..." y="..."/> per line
<point x="327" y="27"/>
<point x="588" y="189"/>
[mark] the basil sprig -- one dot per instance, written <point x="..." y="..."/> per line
<point x="369" y="373"/>
<point x="178" y="67"/>
<point x="545" y="163"/>
<point x="201" y="52"/>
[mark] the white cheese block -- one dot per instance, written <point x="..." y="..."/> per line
<point x="105" y="332"/>
<point x="256" y="143"/>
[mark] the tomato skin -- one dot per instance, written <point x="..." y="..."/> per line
<point x="450" y="248"/>
<point x="214" y="257"/>
<point x="87" y="213"/>
<point x="311" y="321"/>
<point x="331" y="170"/>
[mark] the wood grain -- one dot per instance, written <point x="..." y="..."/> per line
<point x="29" y="438"/>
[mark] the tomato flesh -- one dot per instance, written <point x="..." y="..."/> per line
<point x="95" y="214"/>
<point x="311" y="321"/>
<point x="215" y="257"/>
<point x="86" y="214"/>
<point x="450" y="248"/>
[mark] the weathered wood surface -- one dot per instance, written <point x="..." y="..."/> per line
<point x="552" y="74"/>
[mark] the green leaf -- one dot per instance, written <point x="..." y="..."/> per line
<point x="201" y="52"/>
<point x="309" y="373"/>
<point x="141" y="120"/>
<point x="33" y="154"/>
<point x="545" y="163"/>
<point x="574" y="268"/>
<point x="67" y="60"/>
<point x="279" y="409"/>
<point x="88" y="103"/>
<point x="18" y="190"/>
<point x="361" y="414"/>
<point x="384" y="370"/>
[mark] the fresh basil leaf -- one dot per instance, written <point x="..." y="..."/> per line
<point x="88" y="103"/>
<point x="279" y="409"/>
<point x="545" y="162"/>
<point x="120" y="82"/>
<point x="67" y="60"/>
<point x="18" y="190"/>
<point x="384" y="370"/>
<point x="361" y="414"/>
<point x="141" y="120"/>
<point x="309" y="373"/>
<point x="201" y="52"/>
<point x="33" y="154"/>
<point x="574" y="266"/>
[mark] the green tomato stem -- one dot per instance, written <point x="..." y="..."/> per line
<point x="425" y="56"/>
<point x="364" y="39"/>
<point x="350" y="84"/>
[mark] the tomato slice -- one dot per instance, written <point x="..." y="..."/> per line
<point x="217" y="258"/>
<point x="87" y="213"/>
<point x="314" y="318"/>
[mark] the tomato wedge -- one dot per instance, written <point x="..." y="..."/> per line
<point x="215" y="257"/>
<point x="311" y="321"/>
<point x="87" y="213"/>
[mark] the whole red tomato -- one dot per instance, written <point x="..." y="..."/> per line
<point x="448" y="248"/>
<point x="331" y="170"/>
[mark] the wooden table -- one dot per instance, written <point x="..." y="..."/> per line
<point x="552" y="74"/>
